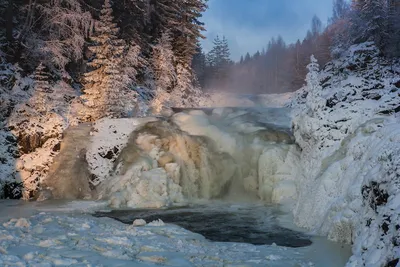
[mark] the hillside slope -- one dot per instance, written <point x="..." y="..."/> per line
<point x="349" y="172"/>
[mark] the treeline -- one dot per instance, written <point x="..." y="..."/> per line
<point x="104" y="48"/>
<point x="281" y="67"/>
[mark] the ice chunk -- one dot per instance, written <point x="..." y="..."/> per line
<point x="139" y="222"/>
<point x="158" y="222"/>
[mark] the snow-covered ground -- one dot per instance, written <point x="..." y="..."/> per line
<point x="66" y="235"/>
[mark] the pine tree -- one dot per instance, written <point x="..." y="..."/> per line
<point x="199" y="66"/>
<point x="316" y="26"/>
<point x="218" y="61"/>
<point x="376" y="19"/>
<point x="133" y="60"/>
<point x="181" y="20"/>
<point x="163" y="63"/>
<point x="339" y="26"/>
<point x="393" y="47"/>
<point x="184" y="87"/>
<point x="369" y="22"/>
<point x="313" y="84"/>
<point x="340" y="10"/>
<point x="247" y="58"/>
<point x="312" y="76"/>
<point x="105" y="86"/>
<point x="187" y="34"/>
<point x="55" y="31"/>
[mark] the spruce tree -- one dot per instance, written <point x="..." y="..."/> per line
<point x="312" y="75"/>
<point x="393" y="48"/>
<point x="186" y="36"/>
<point x="313" y="84"/>
<point x="163" y="63"/>
<point x="218" y="61"/>
<point x="369" y="22"/>
<point x="340" y="10"/>
<point x="199" y="66"/>
<point x="105" y="86"/>
<point x="376" y="22"/>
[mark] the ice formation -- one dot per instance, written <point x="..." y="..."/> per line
<point x="192" y="155"/>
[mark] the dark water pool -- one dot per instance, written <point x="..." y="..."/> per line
<point x="243" y="224"/>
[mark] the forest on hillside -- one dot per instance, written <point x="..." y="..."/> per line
<point x="106" y="52"/>
<point x="281" y="67"/>
<point x="126" y="58"/>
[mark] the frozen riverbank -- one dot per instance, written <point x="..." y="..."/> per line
<point x="66" y="235"/>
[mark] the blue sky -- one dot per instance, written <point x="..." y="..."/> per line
<point x="250" y="24"/>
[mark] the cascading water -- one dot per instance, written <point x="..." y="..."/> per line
<point x="222" y="153"/>
<point x="234" y="154"/>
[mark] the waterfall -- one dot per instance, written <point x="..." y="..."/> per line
<point x="223" y="153"/>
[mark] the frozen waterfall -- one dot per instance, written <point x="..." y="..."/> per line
<point x="223" y="153"/>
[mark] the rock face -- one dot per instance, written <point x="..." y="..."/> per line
<point x="38" y="141"/>
<point x="11" y="186"/>
<point x="32" y="131"/>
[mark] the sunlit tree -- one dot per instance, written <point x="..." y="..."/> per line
<point x="105" y="86"/>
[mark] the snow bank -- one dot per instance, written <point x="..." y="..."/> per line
<point x="348" y="181"/>
<point x="63" y="239"/>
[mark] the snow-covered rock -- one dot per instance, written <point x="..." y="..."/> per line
<point x="108" y="139"/>
<point x="32" y="137"/>
<point x="348" y="180"/>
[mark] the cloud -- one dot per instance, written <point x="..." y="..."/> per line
<point x="250" y="24"/>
